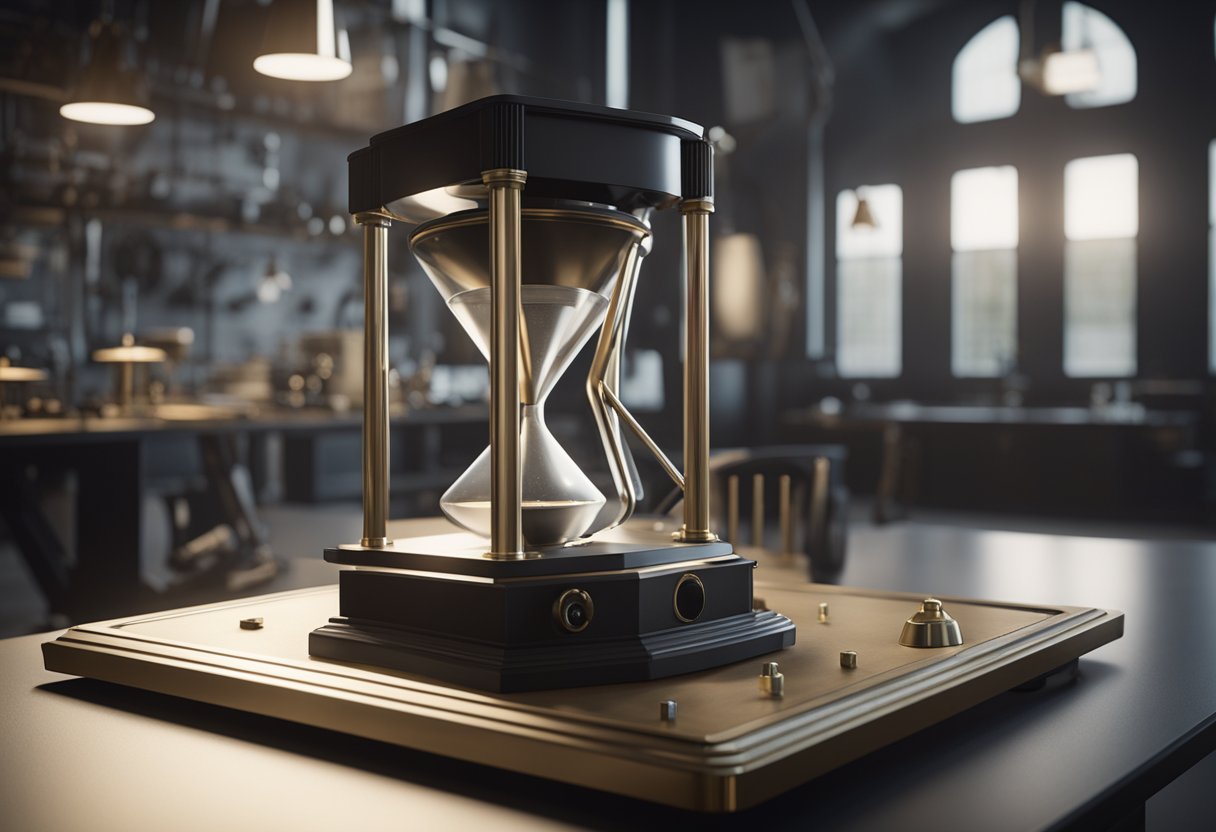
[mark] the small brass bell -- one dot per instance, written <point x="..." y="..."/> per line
<point x="932" y="626"/>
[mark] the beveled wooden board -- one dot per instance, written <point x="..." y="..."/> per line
<point x="729" y="748"/>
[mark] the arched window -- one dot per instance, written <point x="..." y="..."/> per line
<point x="1212" y="257"/>
<point x="984" y="270"/>
<point x="1086" y="32"/>
<point x="869" y="274"/>
<point x="986" y="84"/>
<point x="1094" y="66"/>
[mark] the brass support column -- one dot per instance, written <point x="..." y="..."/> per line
<point x="696" y="372"/>
<point x="375" y="380"/>
<point x="506" y="526"/>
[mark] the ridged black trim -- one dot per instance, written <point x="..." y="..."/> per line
<point x="502" y="137"/>
<point x="696" y="170"/>
<point x="506" y="669"/>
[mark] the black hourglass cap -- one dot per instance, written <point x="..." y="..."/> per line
<point x="584" y="152"/>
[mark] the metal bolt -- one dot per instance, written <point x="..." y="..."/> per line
<point x="823" y="613"/>
<point x="251" y="623"/>
<point x="931" y="605"/>
<point x="848" y="659"/>
<point x="772" y="681"/>
<point x="667" y="710"/>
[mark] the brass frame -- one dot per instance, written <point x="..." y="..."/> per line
<point x="696" y="372"/>
<point x="729" y="749"/>
<point x="375" y="380"/>
<point x="506" y="339"/>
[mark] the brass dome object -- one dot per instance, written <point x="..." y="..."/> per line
<point x="931" y="626"/>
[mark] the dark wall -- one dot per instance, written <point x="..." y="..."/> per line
<point x="891" y="122"/>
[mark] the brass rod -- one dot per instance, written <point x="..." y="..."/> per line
<point x="821" y="477"/>
<point x="696" y="371"/>
<point x="785" y="515"/>
<point x="126" y="386"/>
<point x="758" y="510"/>
<point x="506" y="523"/>
<point x="375" y="380"/>
<point x="732" y="508"/>
<point x="641" y="433"/>
<point x="604" y="378"/>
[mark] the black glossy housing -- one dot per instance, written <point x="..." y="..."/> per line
<point x="570" y="151"/>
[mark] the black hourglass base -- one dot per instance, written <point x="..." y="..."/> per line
<point x="664" y="611"/>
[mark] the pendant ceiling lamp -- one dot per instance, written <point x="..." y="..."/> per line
<point x="110" y="90"/>
<point x="304" y="41"/>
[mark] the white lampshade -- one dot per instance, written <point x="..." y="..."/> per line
<point x="1069" y="72"/>
<point x="109" y="90"/>
<point x="304" y="41"/>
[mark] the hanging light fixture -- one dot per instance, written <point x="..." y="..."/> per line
<point x="304" y="41"/>
<point x="110" y="90"/>
<point x="863" y="217"/>
<point x="1073" y="71"/>
<point x="275" y="281"/>
<point x="1054" y="70"/>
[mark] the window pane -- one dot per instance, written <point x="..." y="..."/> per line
<point x="1212" y="183"/>
<point x="986" y="84"/>
<point x="1087" y="28"/>
<point x="984" y="209"/>
<point x="1212" y="299"/>
<point x="868" y="317"/>
<point x="985" y="312"/>
<point x="1100" y="197"/>
<point x="1100" y="307"/>
<point x="885" y="238"/>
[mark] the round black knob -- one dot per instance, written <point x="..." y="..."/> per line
<point x="689" y="598"/>
<point x="574" y="610"/>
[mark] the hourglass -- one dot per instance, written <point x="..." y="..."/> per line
<point x="571" y="257"/>
<point x="531" y="218"/>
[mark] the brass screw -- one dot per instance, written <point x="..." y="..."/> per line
<point x="823" y="613"/>
<point x="772" y="681"/>
<point x="848" y="659"/>
<point x="252" y="623"/>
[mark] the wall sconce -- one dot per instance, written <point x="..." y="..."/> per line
<point x="863" y="217"/>
<point x="304" y="41"/>
<point x="110" y="91"/>
<point x="738" y="287"/>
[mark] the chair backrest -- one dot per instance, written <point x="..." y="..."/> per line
<point x="788" y="499"/>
